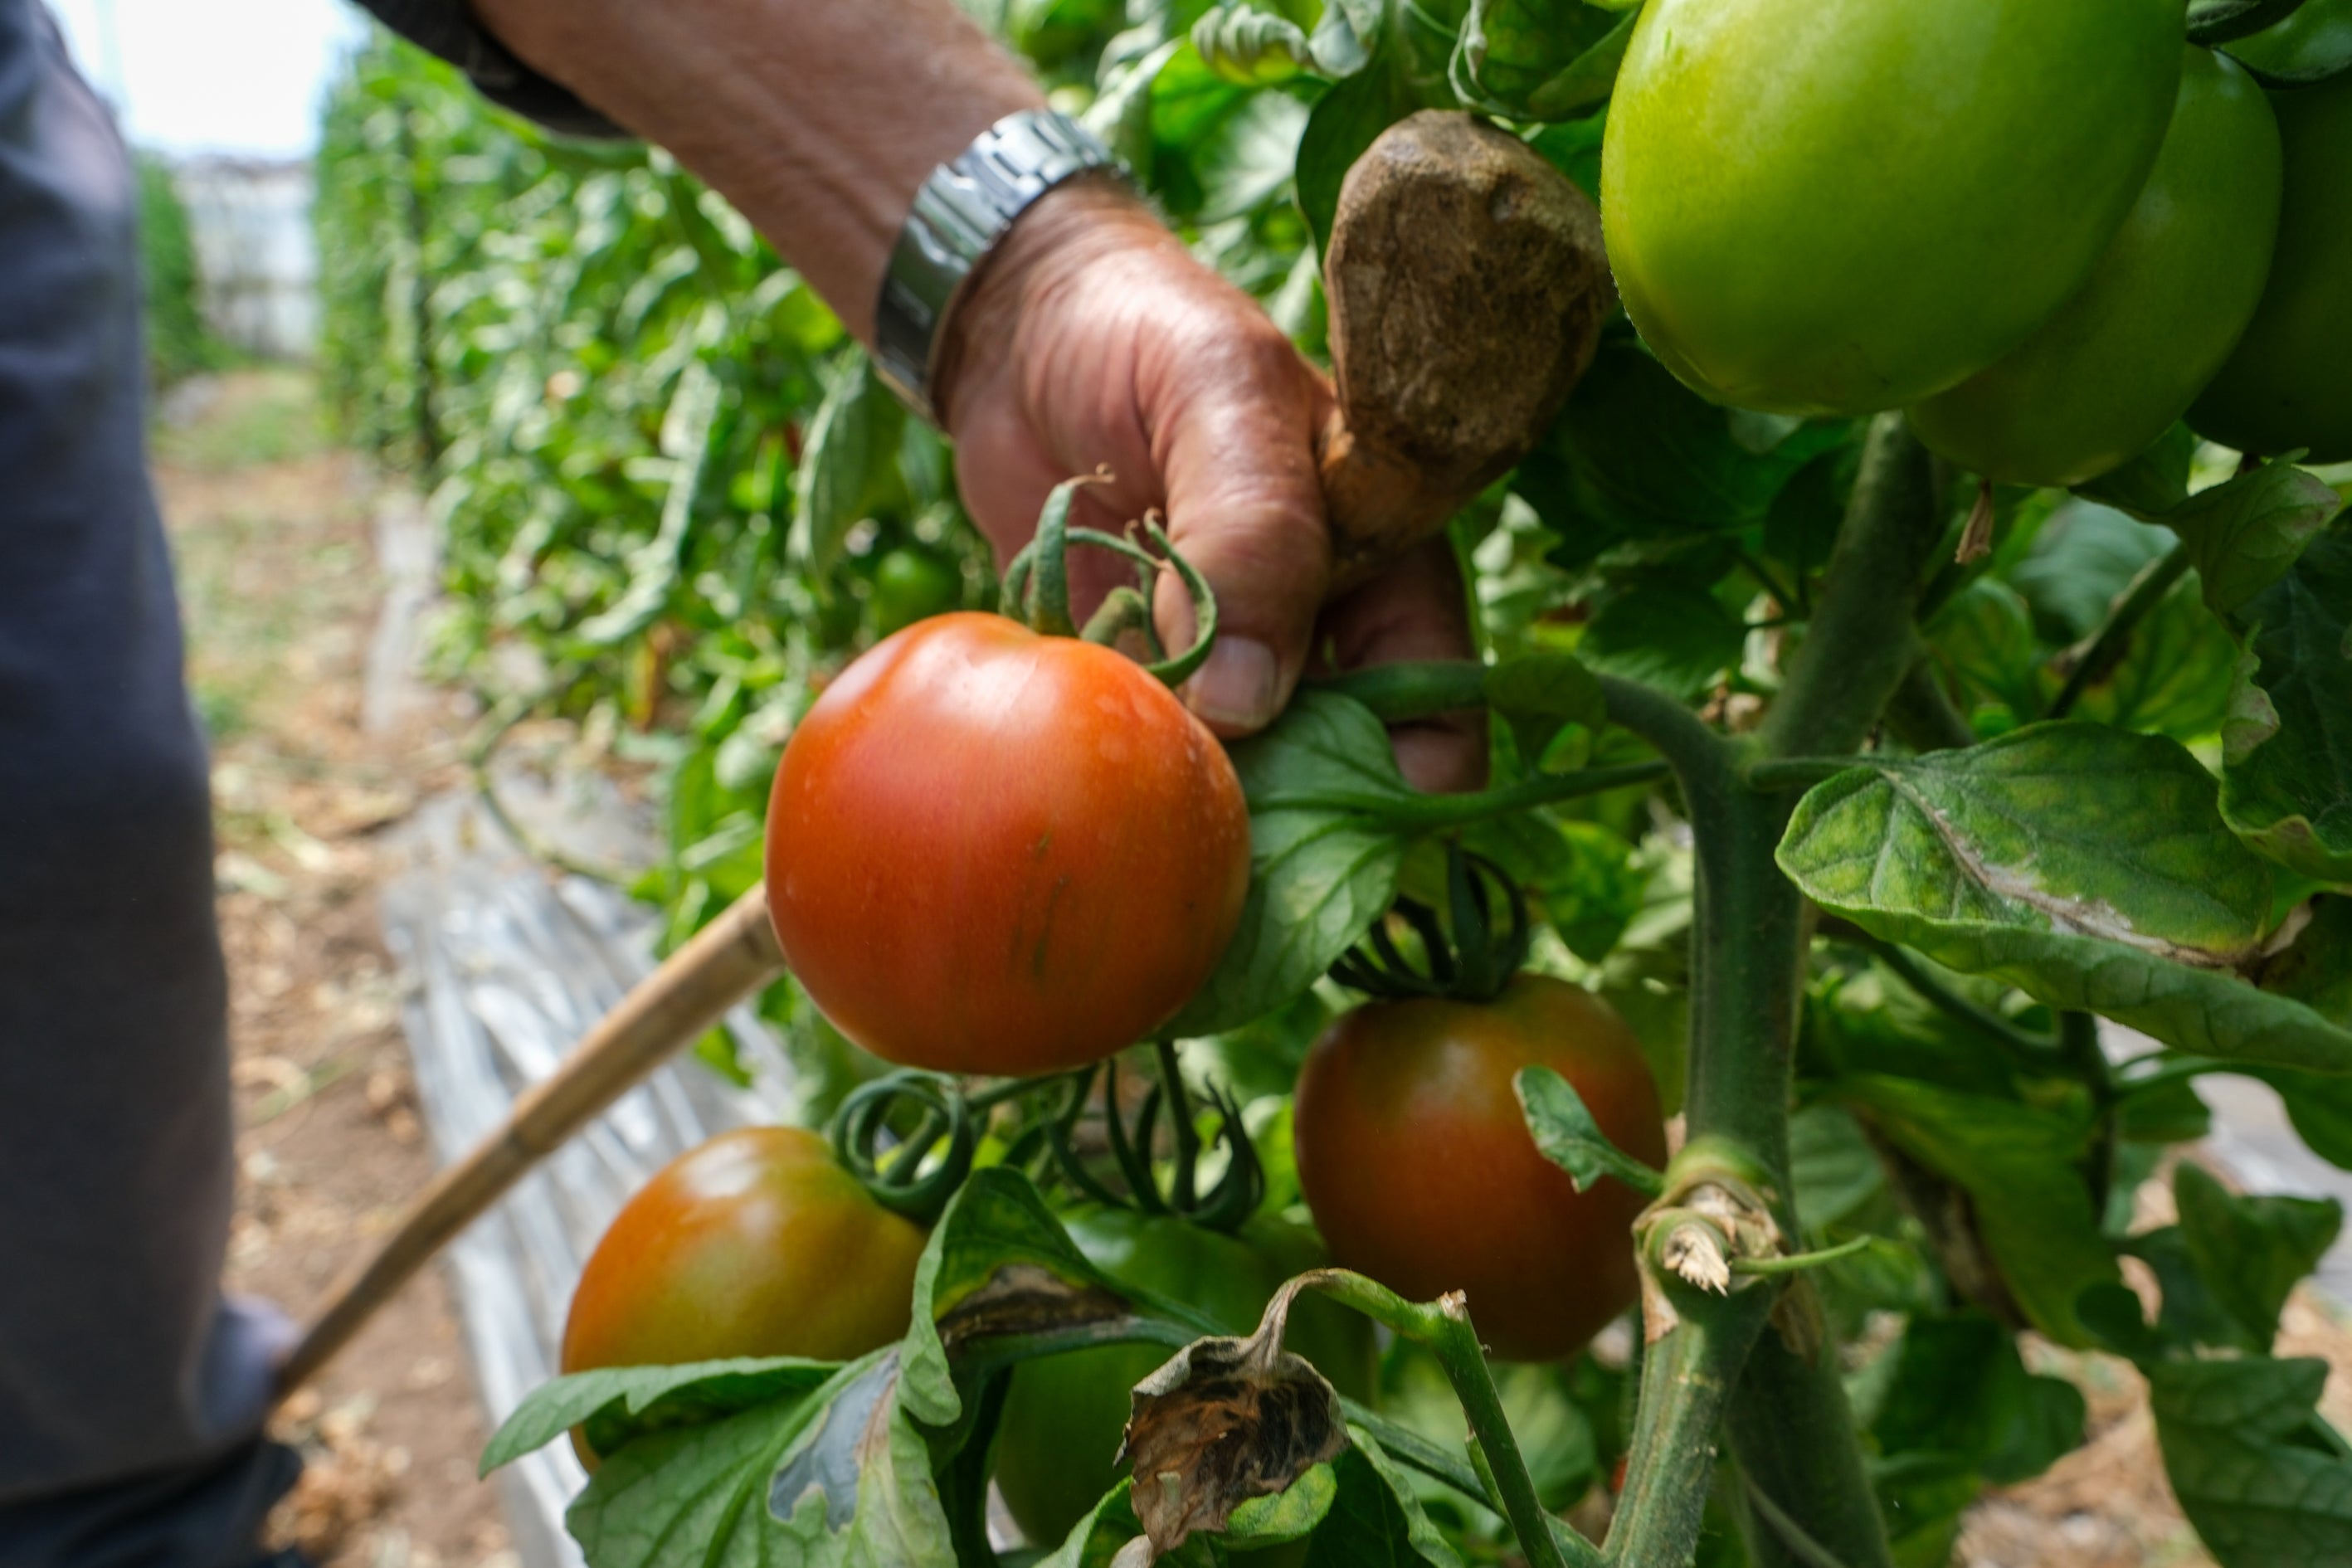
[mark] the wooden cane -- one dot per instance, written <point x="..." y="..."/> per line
<point x="1467" y="286"/>
<point x="727" y="960"/>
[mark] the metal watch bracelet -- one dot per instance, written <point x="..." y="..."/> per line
<point x="961" y="213"/>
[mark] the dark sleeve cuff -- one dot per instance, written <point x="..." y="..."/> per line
<point x="447" y="29"/>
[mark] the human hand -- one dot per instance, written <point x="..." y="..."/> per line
<point x="1094" y="339"/>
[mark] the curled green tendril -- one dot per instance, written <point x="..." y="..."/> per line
<point x="1038" y="580"/>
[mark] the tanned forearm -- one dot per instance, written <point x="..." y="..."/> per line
<point x="818" y="118"/>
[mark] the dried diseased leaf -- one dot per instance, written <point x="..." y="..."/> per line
<point x="1224" y="1421"/>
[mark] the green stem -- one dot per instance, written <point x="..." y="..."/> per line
<point x="2094" y="658"/>
<point x="1865" y="638"/>
<point x="1179" y="1123"/>
<point x="1777" y="774"/>
<point x="2078" y="1036"/>
<point x="1799" y="1262"/>
<point x="1793" y="1536"/>
<point x="1444" y="1328"/>
<point x="1429" y="812"/>
<point x="1793" y="1434"/>
<point x="2038" y="1053"/>
<point x="1687" y="1379"/>
<point x="1400" y="693"/>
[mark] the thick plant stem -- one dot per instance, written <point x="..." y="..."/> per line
<point x="1865" y="638"/>
<point x="1687" y="1383"/>
<point x="1793" y="1435"/>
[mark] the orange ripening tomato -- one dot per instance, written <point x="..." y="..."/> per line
<point x="753" y="1244"/>
<point x="1422" y="1174"/>
<point x="995" y="852"/>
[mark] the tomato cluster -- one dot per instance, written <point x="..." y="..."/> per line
<point x="2049" y="231"/>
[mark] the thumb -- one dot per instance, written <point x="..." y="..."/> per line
<point x="1244" y="506"/>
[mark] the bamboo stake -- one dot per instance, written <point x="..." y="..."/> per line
<point x="729" y="959"/>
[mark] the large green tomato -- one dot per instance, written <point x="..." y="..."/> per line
<point x="2101" y="380"/>
<point x="1833" y="206"/>
<point x="2289" y="383"/>
<point x="1066" y="1416"/>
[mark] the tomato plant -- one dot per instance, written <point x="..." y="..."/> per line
<point x="753" y="1244"/>
<point x="1877" y="793"/>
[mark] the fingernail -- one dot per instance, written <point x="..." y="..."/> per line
<point x="1240" y="687"/>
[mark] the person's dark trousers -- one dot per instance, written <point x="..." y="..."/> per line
<point x="130" y="1395"/>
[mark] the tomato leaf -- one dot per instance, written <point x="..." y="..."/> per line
<point x="1541" y="60"/>
<point x="622" y="1402"/>
<point x="1566" y="1134"/>
<point x="1251" y="48"/>
<point x="811" y="1480"/>
<point x="2090" y="869"/>
<point x="2250" y="1251"/>
<point x="2245" y="536"/>
<point x="2175" y="677"/>
<point x="2285" y="787"/>
<point x="1403" y="71"/>
<point x="1320" y="874"/>
<point x="852" y="445"/>
<point x="654" y="566"/>
<point x="1098" y="1540"/>
<point x="1000" y="1280"/>
<point x="1960" y="1393"/>
<point x="1637" y="455"/>
<point x="2019" y="1166"/>
<point x="2258" y="1471"/>
<point x="1665" y="631"/>
<point x="1541" y="694"/>
<point x="2151" y="484"/>
<point x="1376" y="1520"/>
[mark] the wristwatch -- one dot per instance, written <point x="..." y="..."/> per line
<point x="961" y="211"/>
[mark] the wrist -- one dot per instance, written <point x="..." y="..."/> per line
<point x="1079" y="223"/>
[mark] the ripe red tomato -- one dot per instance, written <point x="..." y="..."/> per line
<point x="991" y="851"/>
<point x="754" y="1244"/>
<point x="1422" y="1174"/>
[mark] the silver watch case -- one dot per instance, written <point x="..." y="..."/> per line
<point x="961" y="211"/>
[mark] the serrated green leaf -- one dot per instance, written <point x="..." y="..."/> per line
<point x="2255" y="1468"/>
<point x="2021" y="1166"/>
<point x="1511" y="49"/>
<point x="1376" y="1520"/>
<point x="1959" y="1390"/>
<point x="1831" y="1166"/>
<point x="1566" y="1134"/>
<point x="1985" y="637"/>
<point x="998" y="1265"/>
<point x="2245" y="536"/>
<point x="2289" y="794"/>
<point x="2174" y="676"/>
<point x="850" y="445"/>
<point x="1666" y="632"/>
<point x="2086" y="867"/>
<point x="2082" y="558"/>
<point x="2252" y="1251"/>
<point x="1541" y="694"/>
<point x="2152" y="483"/>
<point x="1320" y="876"/>
<point x="630" y="1400"/>
<point x="1251" y="48"/>
<point x="713" y="1484"/>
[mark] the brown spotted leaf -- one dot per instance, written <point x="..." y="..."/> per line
<point x="1224" y="1421"/>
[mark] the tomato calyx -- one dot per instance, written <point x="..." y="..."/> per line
<point x="1038" y="580"/>
<point x="1223" y="1207"/>
<point x="1470" y="955"/>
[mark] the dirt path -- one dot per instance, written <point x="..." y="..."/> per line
<point x="271" y="531"/>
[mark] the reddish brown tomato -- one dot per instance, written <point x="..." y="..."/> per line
<point x="993" y="852"/>
<point x="754" y="1244"/>
<point x="1421" y="1172"/>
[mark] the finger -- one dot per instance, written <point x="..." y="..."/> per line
<point x="1233" y="426"/>
<point x="1415" y="610"/>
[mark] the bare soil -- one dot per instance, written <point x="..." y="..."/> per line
<point x="271" y="531"/>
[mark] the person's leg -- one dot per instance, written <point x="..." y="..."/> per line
<point x="129" y="1396"/>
